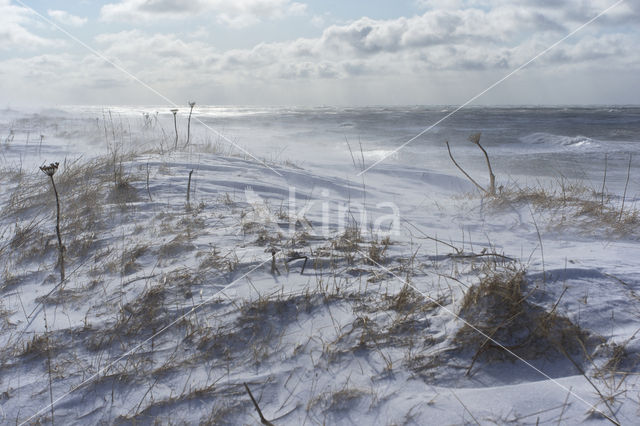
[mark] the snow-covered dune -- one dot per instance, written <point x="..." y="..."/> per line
<point x="397" y="296"/>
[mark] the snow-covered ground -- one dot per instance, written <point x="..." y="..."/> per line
<point x="420" y="301"/>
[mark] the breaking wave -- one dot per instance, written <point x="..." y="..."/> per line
<point x="556" y="141"/>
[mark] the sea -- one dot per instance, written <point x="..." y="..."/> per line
<point x="524" y="143"/>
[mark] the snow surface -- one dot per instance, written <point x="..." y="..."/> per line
<point x="169" y="307"/>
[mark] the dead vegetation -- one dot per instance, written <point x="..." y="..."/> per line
<point x="215" y="259"/>
<point x="573" y="205"/>
<point x="501" y="322"/>
<point x="338" y="401"/>
<point x="129" y="261"/>
<point x="258" y="329"/>
<point x="386" y="325"/>
<point x="475" y="139"/>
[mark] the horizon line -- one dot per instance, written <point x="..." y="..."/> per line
<point x="10" y="107"/>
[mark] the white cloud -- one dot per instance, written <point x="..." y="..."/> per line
<point x="568" y="11"/>
<point x="441" y="56"/>
<point x="496" y="40"/>
<point x="238" y="13"/>
<point x="166" y="53"/>
<point x="65" y="18"/>
<point x="14" y="31"/>
<point x="437" y="41"/>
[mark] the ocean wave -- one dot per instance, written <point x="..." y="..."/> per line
<point x="558" y="141"/>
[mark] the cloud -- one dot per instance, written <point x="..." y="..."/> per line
<point x="438" y="27"/>
<point x="466" y="40"/>
<point x="14" y="31"/>
<point x="238" y="13"/>
<point x="65" y="18"/>
<point x="567" y="11"/>
<point x="443" y="55"/>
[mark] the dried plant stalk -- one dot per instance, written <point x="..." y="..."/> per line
<point x="50" y="170"/>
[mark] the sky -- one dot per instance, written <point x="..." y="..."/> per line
<point x="317" y="52"/>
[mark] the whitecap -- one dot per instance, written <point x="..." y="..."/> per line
<point x="558" y="141"/>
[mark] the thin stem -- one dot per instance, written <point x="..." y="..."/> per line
<point x="263" y="420"/>
<point x="604" y="181"/>
<point x="46" y="330"/>
<point x="626" y="185"/>
<point x="492" y="177"/>
<point x="189" y="186"/>
<point x="465" y="173"/>
<point x="60" y="246"/>
<point x="189" y="124"/>
<point x="175" y="126"/>
<point x="148" y="191"/>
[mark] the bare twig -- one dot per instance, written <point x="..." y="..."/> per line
<point x="564" y="406"/>
<point x="274" y="268"/>
<point x="191" y="105"/>
<point x="148" y="191"/>
<point x="175" y="126"/>
<point x="555" y="306"/>
<point x="189" y="187"/>
<point x="544" y="272"/>
<point x="474" y="255"/>
<point x="291" y="259"/>
<point x="626" y="185"/>
<point x="604" y="181"/>
<point x="475" y="138"/>
<point x="263" y="420"/>
<point x="351" y="152"/>
<point x="613" y="418"/>
<point x="465" y="408"/>
<point x="458" y="250"/>
<point x="46" y="328"/>
<point x="464" y="172"/>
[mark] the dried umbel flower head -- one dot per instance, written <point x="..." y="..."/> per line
<point x="192" y="104"/>
<point x="51" y="169"/>
<point x="174" y="111"/>
<point x="475" y="138"/>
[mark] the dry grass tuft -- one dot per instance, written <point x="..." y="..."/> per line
<point x="348" y="243"/>
<point x="178" y="245"/>
<point x="214" y="259"/>
<point x="138" y="319"/>
<point x="37" y="346"/>
<point x="572" y="204"/>
<point x="130" y="258"/>
<point x="257" y="331"/>
<point x="338" y="401"/>
<point x="498" y="307"/>
<point x="377" y="251"/>
<point x="122" y="193"/>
